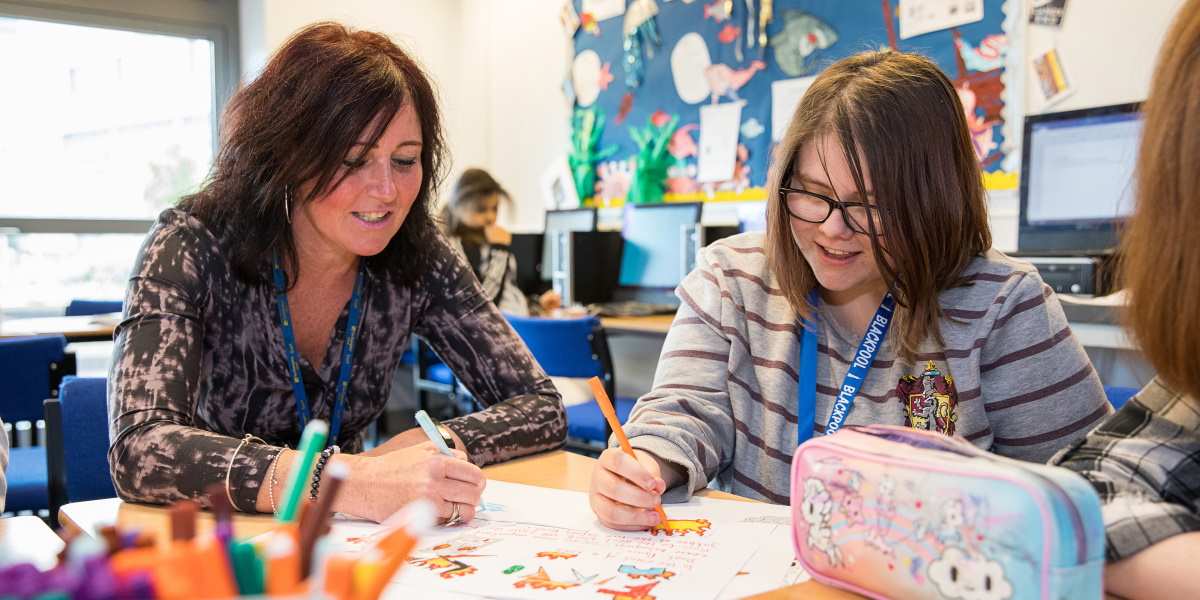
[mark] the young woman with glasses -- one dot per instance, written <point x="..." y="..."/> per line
<point x="873" y="297"/>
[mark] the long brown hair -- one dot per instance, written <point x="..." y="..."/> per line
<point x="296" y="123"/>
<point x="1160" y="266"/>
<point x="902" y="116"/>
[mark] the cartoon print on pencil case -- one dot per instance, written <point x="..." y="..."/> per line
<point x="542" y="580"/>
<point x="683" y="527"/>
<point x="817" y="510"/>
<point x="960" y="574"/>
<point x="631" y="592"/>
<point x="645" y="573"/>
<point x="445" y="558"/>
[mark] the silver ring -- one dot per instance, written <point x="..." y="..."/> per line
<point x="455" y="517"/>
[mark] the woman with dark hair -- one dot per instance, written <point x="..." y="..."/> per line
<point x="287" y="289"/>
<point x="1144" y="461"/>
<point x="470" y="222"/>
<point x="874" y="297"/>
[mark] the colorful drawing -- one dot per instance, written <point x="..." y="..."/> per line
<point x="647" y="573"/>
<point x="728" y="34"/>
<point x="652" y="162"/>
<point x="624" y="108"/>
<point x="988" y="56"/>
<point x="589" y="23"/>
<point x="542" y="581"/>
<point x="553" y="555"/>
<point x="930" y="400"/>
<point x="801" y="35"/>
<point x="631" y="592"/>
<point x="449" y="567"/>
<point x="514" y="569"/>
<point x="682" y="145"/>
<point x="724" y="80"/>
<point x="605" y="77"/>
<point x="586" y="129"/>
<point x="718" y="10"/>
<point x="683" y="527"/>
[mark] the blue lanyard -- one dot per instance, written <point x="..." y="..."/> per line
<point x="303" y="410"/>
<point x="860" y="365"/>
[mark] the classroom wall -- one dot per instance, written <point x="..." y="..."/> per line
<point x="1108" y="50"/>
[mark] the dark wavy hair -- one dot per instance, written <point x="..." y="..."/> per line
<point x="296" y="124"/>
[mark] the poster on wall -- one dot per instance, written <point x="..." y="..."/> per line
<point x="1048" y="12"/>
<point x="718" y="141"/>
<point x="923" y="16"/>
<point x="705" y="57"/>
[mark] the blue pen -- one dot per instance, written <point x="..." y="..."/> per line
<point x="431" y="431"/>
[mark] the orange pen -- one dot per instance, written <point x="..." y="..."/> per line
<point x="610" y="413"/>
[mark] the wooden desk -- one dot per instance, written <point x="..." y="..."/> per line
<point x="27" y="539"/>
<point x="88" y="328"/>
<point x="654" y="325"/>
<point x="558" y="469"/>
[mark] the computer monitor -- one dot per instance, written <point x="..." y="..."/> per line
<point x="1077" y="181"/>
<point x="660" y="244"/>
<point x="527" y="249"/>
<point x="572" y="219"/>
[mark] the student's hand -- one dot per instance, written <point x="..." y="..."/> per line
<point x="550" y="301"/>
<point x="497" y="235"/>
<point x="625" y="491"/>
<point x="381" y="485"/>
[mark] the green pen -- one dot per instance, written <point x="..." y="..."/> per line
<point x="312" y="441"/>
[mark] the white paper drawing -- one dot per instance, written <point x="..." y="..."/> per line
<point x="689" y="61"/>
<point x="585" y="74"/>
<point x="718" y="141"/>
<point x="785" y="98"/>
<point x="923" y="16"/>
<point x="544" y="540"/>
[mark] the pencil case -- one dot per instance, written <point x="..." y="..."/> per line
<point x="889" y="511"/>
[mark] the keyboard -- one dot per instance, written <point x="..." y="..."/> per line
<point x="631" y="309"/>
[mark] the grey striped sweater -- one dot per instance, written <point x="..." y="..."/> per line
<point x="1011" y="378"/>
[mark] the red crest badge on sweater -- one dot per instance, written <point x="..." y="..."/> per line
<point x="930" y="400"/>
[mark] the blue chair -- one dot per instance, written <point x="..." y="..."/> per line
<point x="576" y="348"/>
<point x="79" y="308"/>
<point x="1118" y="396"/>
<point x="30" y="369"/>
<point x="430" y="375"/>
<point x="77" y="442"/>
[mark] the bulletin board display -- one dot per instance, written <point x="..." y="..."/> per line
<point x="705" y="56"/>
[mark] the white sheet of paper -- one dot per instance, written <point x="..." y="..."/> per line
<point x="719" y="124"/>
<point x="785" y="97"/>
<point x="923" y="16"/>
<point x="604" y="9"/>
<point x="530" y="540"/>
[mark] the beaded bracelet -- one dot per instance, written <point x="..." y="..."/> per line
<point x="273" y="482"/>
<point x="316" y="477"/>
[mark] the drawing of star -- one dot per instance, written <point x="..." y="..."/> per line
<point x="605" y="76"/>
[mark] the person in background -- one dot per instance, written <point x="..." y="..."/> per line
<point x="469" y="219"/>
<point x="876" y="213"/>
<point x="1144" y="461"/>
<point x="287" y="288"/>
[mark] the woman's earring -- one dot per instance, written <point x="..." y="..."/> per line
<point x="287" y="202"/>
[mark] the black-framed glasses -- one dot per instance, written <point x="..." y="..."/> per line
<point x="812" y="207"/>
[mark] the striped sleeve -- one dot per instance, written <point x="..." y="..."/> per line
<point x="686" y="419"/>
<point x="1039" y="389"/>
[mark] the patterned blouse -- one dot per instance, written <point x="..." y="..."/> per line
<point x="1144" y="461"/>
<point x="199" y="363"/>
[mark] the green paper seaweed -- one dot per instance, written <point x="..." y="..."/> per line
<point x="587" y="125"/>
<point x="652" y="161"/>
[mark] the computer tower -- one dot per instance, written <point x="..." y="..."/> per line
<point x="527" y="250"/>
<point x="585" y="265"/>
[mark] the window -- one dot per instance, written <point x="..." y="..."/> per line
<point x="112" y="119"/>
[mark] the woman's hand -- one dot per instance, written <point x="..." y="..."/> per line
<point x="497" y="235"/>
<point x="380" y="485"/>
<point x="624" y="492"/>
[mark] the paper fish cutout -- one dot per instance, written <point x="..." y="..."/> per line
<point x="724" y="80"/>
<point x="752" y="129"/>
<point x="718" y="10"/>
<point x="728" y="34"/>
<point x="988" y="56"/>
<point x="801" y="35"/>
